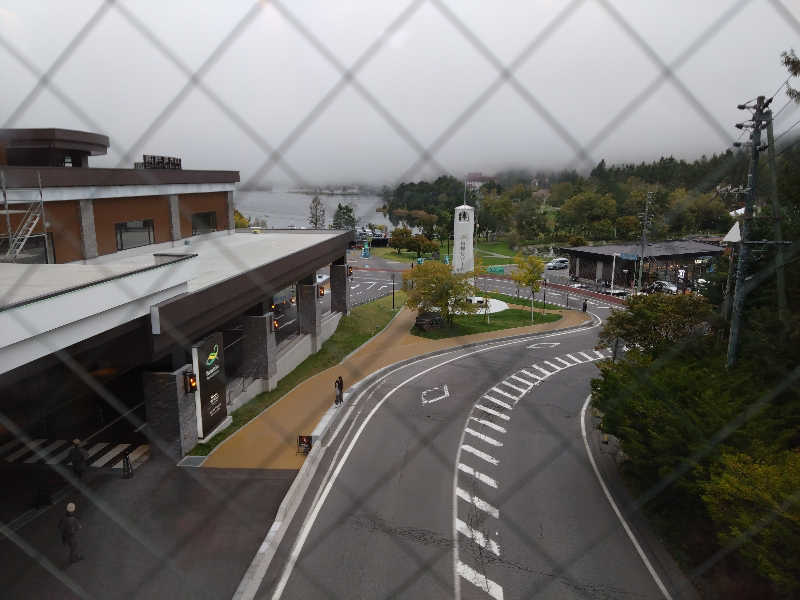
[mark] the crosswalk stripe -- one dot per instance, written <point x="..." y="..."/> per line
<point x="45" y="451"/>
<point x="133" y="456"/>
<point x="552" y="366"/>
<point x="8" y="446"/>
<point x="109" y="455"/>
<point x="489" y="424"/>
<point x="482" y="455"/>
<point x="545" y="372"/>
<point x="575" y="358"/>
<point x="502" y="393"/>
<point x="477" y="536"/>
<point x="535" y="378"/>
<point x="513" y="387"/>
<point x="524" y="381"/>
<point x="478" y="503"/>
<point x="498" y="402"/>
<point x="589" y="358"/>
<point x="24" y="450"/>
<point x="489" y="440"/>
<point x="58" y="458"/>
<point x="488" y="410"/>
<point x="563" y="361"/>
<point x="600" y="354"/>
<point x="480" y="580"/>
<point x="482" y="477"/>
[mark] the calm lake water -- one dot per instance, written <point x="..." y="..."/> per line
<point x="282" y="209"/>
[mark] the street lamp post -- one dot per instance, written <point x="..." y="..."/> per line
<point x="392" y="291"/>
<point x="613" y="269"/>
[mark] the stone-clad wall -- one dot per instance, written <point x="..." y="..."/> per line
<point x="171" y="414"/>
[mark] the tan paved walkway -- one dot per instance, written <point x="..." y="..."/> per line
<point x="270" y="440"/>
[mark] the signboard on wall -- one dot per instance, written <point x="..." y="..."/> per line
<point x="210" y="398"/>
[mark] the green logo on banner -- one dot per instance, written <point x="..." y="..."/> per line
<point x="212" y="357"/>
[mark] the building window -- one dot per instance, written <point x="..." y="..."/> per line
<point x="204" y="222"/>
<point x="134" y="233"/>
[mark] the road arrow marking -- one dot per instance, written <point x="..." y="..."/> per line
<point x="543" y="345"/>
<point x="443" y="393"/>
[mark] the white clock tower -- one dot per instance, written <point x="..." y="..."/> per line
<point x="463" y="230"/>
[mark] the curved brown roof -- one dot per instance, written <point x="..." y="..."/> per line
<point x="64" y="139"/>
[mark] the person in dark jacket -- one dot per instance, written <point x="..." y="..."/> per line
<point x="584" y="305"/>
<point x="338" y="391"/>
<point x="77" y="458"/>
<point x="69" y="527"/>
<point x="341" y="389"/>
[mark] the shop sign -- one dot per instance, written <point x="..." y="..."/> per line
<point x="211" y="400"/>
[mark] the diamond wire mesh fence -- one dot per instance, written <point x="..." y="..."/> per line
<point x="426" y="156"/>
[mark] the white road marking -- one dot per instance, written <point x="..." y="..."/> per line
<point x="444" y="393"/>
<point x="502" y="393"/>
<point x="478" y="503"/>
<point x="613" y="504"/>
<point x="575" y="358"/>
<point x="371" y="285"/>
<point x="569" y="364"/>
<point x="492" y="412"/>
<point x="37" y="455"/>
<point x="498" y="402"/>
<point x="133" y="456"/>
<point x="489" y="424"/>
<point x="482" y="477"/>
<point x="383" y="286"/>
<point x="477" y="536"/>
<point x="489" y="440"/>
<point x="482" y="455"/>
<point x="552" y="366"/>
<point x="250" y="588"/>
<point x="543" y="345"/>
<point x="530" y="384"/>
<point x="109" y="455"/>
<point x="536" y="378"/>
<point x="586" y="356"/>
<point x="480" y="580"/>
<point x="32" y="445"/>
<point x="544" y="372"/>
<point x="603" y="307"/>
<point x="600" y="354"/>
<point x="513" y="387"/>
<point x="352" y="287"/>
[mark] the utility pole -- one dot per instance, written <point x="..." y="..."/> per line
<point x="645" y="223"/>
<point x="744" y="228"/>
<point x="783" y="311"/>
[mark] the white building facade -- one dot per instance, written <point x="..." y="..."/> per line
<point x="463" y="231"/>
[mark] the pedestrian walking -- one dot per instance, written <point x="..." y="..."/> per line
<point x="69" y="526"/>
<point x="77" y="458"/>
<point x="584" y="305"/>
<point x="338" y="392"/>
<point x="341" y="389"/>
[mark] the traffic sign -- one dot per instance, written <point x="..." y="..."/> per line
<point x="496" y="269"/>
<point x="626" y="256"/>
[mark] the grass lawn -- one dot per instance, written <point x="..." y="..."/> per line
<point x="521" y="301"/>
<point x="493" y="260"/>
<point x="363" y="322"/>
<point x="391" y="254"/>
<point x="466" y="325"/>
<point x="498" y="247"/>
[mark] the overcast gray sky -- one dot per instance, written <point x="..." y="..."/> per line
<point x="424" y="73"/>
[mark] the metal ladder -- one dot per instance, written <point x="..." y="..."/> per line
<point x="32" y="217"/>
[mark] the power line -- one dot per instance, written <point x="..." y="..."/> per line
<point x="792" y="126"/>
<point x="782" y="108"/>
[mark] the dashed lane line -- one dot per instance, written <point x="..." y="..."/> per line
<point x="480" y="454"/>
<point x="489" y="424"/>
<point x="477" y="536"/>
<point x="492" y="412"/>
<point x="499" y="403"/>
<point x="480" y="580"/>
<point x="478" y="503"/>
<point x="482" y="477"/>
<point x="483" y="437"/>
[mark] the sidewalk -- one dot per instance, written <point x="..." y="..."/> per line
<point x="270" y="440"/>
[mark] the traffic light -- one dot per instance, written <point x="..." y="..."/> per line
<point x="273" y="306"/>
<point x="321" y="291"/>
<point x="274" y="324"/>
<point x="189" y="382"/>
<point x="293" y="300"/>
<point x="349" y="271"/>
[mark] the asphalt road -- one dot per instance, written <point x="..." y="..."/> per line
<point x="478" y="489"/>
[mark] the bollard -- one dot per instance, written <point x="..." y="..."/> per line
<point x="127" y="470"/>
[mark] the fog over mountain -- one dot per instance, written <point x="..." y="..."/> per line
<point x="425" y="75"/>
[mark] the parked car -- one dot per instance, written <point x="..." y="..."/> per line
<point x="663" y="287"/>
<point x="619" y="293"/>
<point x="558" y="263"/>
<point x="429" y="320"/>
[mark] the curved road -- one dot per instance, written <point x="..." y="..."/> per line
<point x="464" y="475"/>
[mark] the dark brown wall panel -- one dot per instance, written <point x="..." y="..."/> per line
<point x="109" y="211"/>
<point x="198" y="203"/>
